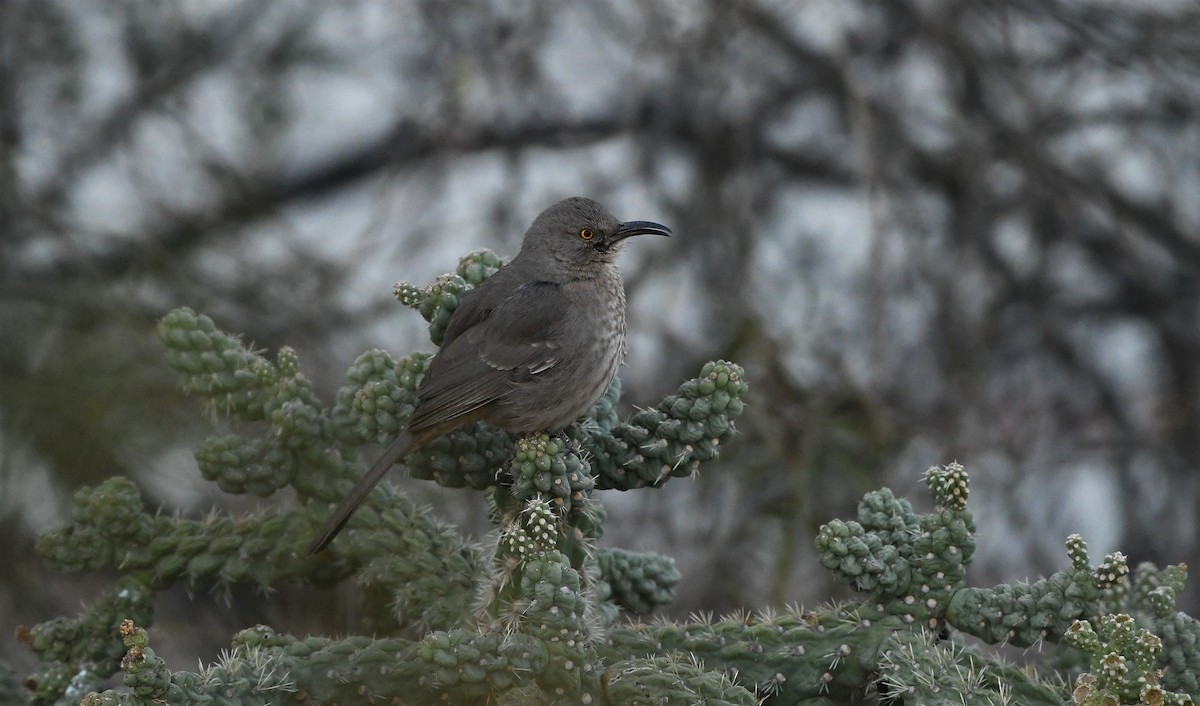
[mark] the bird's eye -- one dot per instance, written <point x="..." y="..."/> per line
<point x="586" y="234"/>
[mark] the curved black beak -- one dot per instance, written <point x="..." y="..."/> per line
<point x="629" y="228"/>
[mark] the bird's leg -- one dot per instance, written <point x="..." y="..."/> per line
<point x="569" y="442"/>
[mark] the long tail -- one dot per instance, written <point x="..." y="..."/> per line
<point x="402" y="445"/>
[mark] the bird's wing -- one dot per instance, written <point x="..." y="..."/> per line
<point x="476" y="306"/>
<point x="509" y="342"/>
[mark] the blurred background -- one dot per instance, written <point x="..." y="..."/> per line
<point x="930" y="231"/>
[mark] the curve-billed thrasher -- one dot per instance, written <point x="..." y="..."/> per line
<point x="529" y="350"/>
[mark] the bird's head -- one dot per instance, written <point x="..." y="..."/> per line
<point x="580" y="234"/>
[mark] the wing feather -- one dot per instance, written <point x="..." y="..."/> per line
<point x="505" y="343"/>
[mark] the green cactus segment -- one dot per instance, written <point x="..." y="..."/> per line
<point x="671" y="681"/>
<point x="354" y="670"/>
<point x="540" y="635"/>
<point x="552" y="603"/>
<point x="80" y="654"/>
<point x="465" y="665"/>
<point x="217" y="365"/>
<point x="790" y="657"/>
<point x="92" y="636"/>
<point x="377" y="400"/>
<point x="296" y="416"/>
<point x="946" y="540"/>
<point x="918" y="667"/>
<point x="105" y="519"/>
<point x="425" y="569"/>
<point x="556" y="612"/>
<point x="602" y="417"/>
<point x="862" y="559"/>
<point x="237" y="381"/>
<point x="673" y="439"/>
<point x="1123" y="660"/>
<point x="477" y="266"/>
<point x="455" y="666"/>
<point x="539" y="534"/>
<point x="452" y="666"/>
<point x="1180" y="634"/>
<point x="1155" y="590"/>
<point x="891" y="520"/>
<point x="458" y="666"/>
<point x="111" y="529"/>
<point x="239" y="465"/>
<point x="1025" y="613"/>
<point x="533" y="533"/>
<point x="1150" y="598"/>
<point x="911" y="562"/>
<point x="244" y="385"/>
<point x="437" y="302"/>
<point x="949" y="487"/>
<point x="639" y="582"/>
<point x="469" y="457"/>
<point x="547" y="468"/>
<point x="145" y="674"/>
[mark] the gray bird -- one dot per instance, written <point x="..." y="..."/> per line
<point x="529" y="350"/>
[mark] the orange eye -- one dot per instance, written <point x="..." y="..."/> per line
<point x="586" y="234"/>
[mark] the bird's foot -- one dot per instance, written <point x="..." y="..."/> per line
<point x="569" y="442"/>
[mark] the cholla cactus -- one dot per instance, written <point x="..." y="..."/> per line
<point x="534" y="618"/>
<point x="1122" y="660"/>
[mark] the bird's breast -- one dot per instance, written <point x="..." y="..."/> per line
<point x="590" y="351"/>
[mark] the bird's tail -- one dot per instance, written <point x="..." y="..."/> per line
<point x="358" y="494"/>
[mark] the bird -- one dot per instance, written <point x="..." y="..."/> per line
<point x="530" y="349"/>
